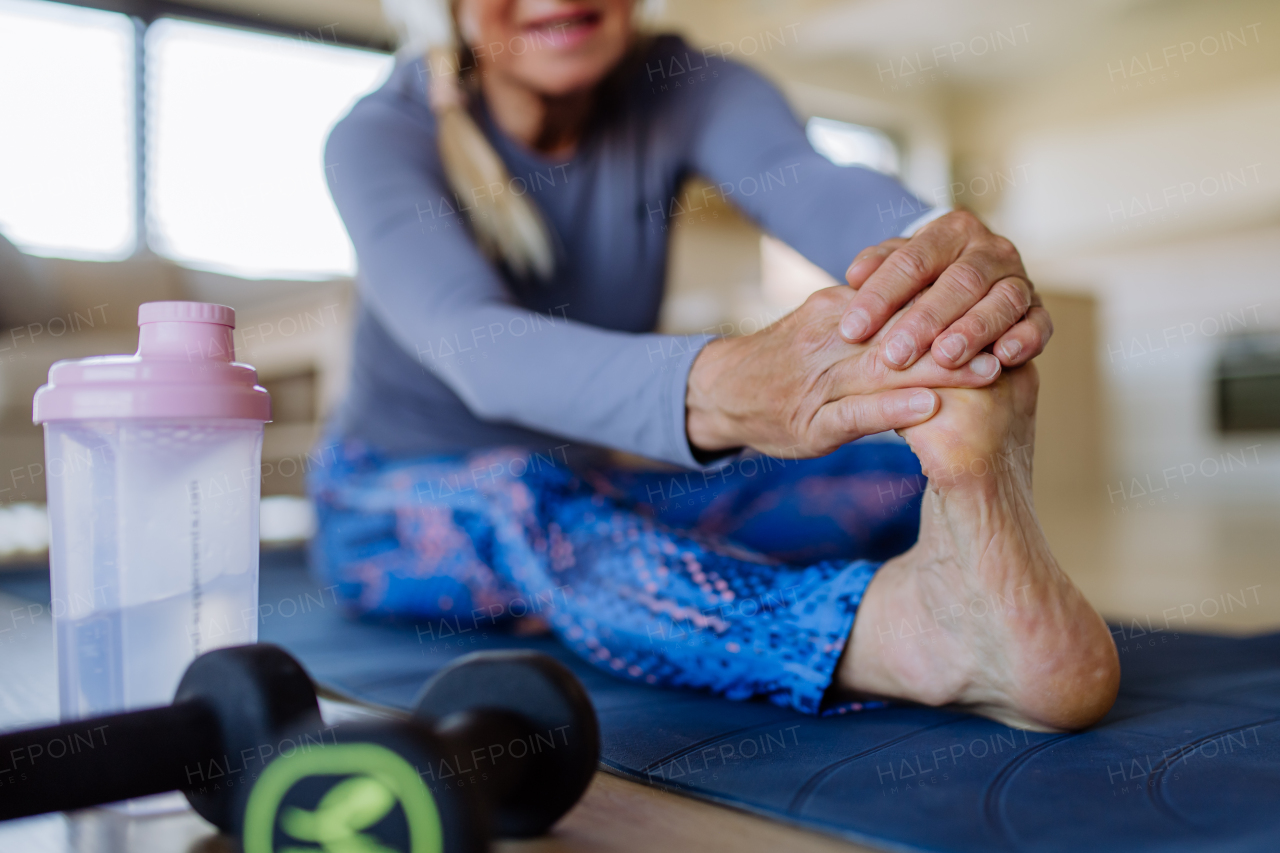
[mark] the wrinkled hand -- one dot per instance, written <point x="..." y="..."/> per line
<point x="797" y="390"/>
<point x="981" y="297"/>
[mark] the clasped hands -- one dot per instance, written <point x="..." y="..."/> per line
<point x="949" y="308"/>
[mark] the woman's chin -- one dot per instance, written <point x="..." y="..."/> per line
<point x="557" y="72"/>
<point x="564" y="76"/>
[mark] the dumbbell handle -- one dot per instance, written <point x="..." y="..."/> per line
<point x="103" y="759"/>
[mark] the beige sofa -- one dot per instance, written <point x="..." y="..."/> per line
<point x="297" y="334"/>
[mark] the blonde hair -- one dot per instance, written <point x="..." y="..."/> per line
<point x="506" y="225"/>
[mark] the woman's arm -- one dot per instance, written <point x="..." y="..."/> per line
<point x="427" y="283"/>
<point x="432" y="286"/>
<point x="748" y="143"/>
<point x="747" y="137"/>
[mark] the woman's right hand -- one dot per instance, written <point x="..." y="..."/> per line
<point x="796" y="389"/>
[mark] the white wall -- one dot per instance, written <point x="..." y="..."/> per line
<point x="1165" y="310"/>
<point x="1167" y="208"/>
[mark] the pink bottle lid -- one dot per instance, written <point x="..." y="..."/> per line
<point x="185" y="367"/>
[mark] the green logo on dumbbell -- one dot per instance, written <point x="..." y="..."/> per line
<point x="376" y="780"/>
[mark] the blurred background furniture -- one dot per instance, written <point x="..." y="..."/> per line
<point x="297" y="335"/>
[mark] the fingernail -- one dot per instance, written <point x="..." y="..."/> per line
<point x="864" y="259"/>
<point x="897" y="350"/>
<point x="952" y="346"/>
<point x="921" y="402"/>
<point x="985" y="365"/>
<point x="855" y="323"/>
<point x="1012" y="349"/>
<point x="876" y="252"/>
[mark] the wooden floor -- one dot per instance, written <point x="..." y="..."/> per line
<point x="615" y="816"/>
<point x="1176" y="568"/>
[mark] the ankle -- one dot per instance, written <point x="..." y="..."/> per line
<point x="899" y="648"/>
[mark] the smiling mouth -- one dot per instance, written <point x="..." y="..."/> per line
<point x="564" y="30"/>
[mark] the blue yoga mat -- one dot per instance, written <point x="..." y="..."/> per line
<point x="1188" y="760"/>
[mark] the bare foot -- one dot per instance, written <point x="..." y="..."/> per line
<point x="977" y="613"/>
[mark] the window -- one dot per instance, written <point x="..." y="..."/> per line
<point x="67" y="177"/>
<point x="787" y="277"/>
<point x="236" y="129"/>
<point x="853" y="145"/>
<point x="234" y="136"/>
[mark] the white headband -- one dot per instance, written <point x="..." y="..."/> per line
<point x="420" y="24"/>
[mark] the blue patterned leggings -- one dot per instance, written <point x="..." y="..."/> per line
<point x="743" y="580"/>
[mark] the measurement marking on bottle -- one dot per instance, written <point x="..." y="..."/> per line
<point x="193" y="489"/>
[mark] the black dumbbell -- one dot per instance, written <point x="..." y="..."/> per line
<point x="230" y="702"/>
<point x="500" y="743"/>
<point x="526" y="716"/>
<point x="506" y="739"/>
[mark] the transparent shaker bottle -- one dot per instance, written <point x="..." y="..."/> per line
<point x="153" y="467"/>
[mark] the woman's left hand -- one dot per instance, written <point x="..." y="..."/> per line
<point x="980" y="296"/>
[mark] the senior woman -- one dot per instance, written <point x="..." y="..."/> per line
<point x="508" y="192"/>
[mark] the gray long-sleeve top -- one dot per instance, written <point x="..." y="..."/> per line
<point x="452" y="353"/>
